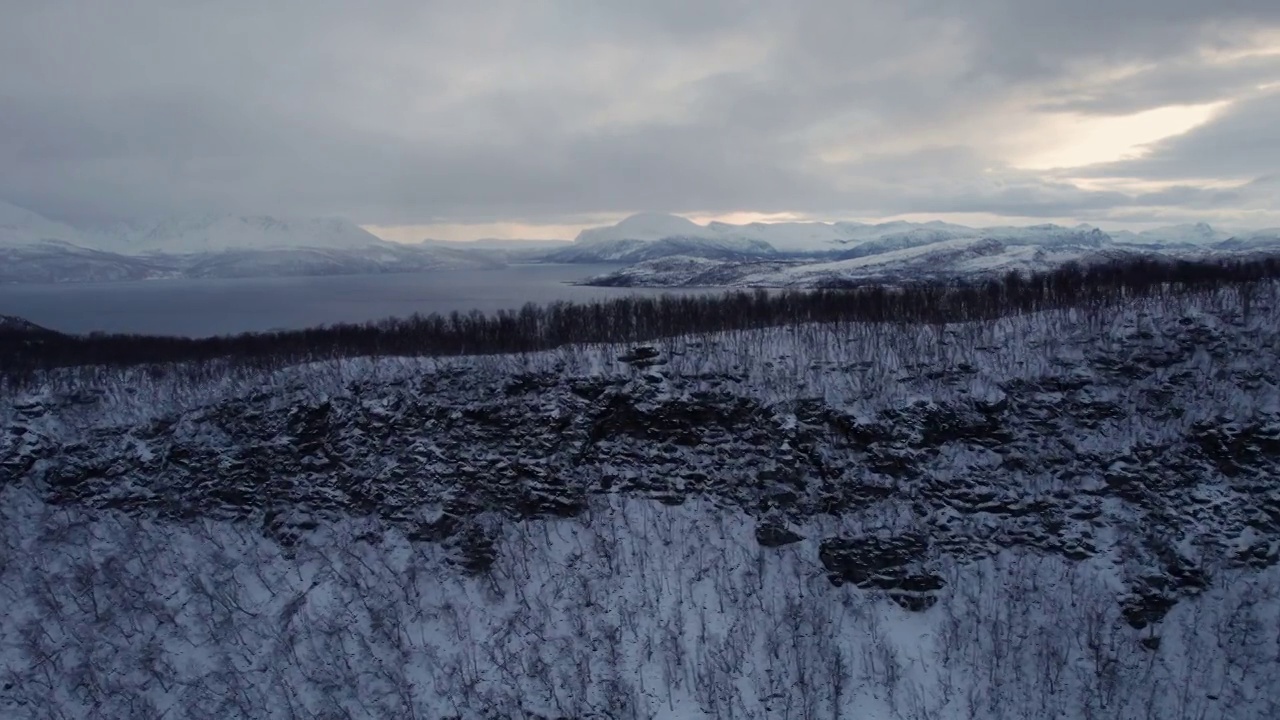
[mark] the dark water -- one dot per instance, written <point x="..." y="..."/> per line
<point x="214" y="307"/>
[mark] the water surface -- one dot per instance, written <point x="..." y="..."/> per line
<point x="220" y="306"/>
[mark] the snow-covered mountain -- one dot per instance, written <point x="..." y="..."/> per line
<point x="54" y="261"/>
<point x="19" y="226"/>
<point x="1265" y="240"/>
<point x="643" y="227"/>
<point x="633" y="250"/>
<point x="1193" y="235"/>
<point x="956" y="258"/>
<point x="181" y="235"/>
<point x="11" y="325"/>
<point x="902" y="251"/>
<point x="36" y="249"/>
<point x="1055" y="516"/>
<point x="650" y="236"/>
<point x="504" y="250"/>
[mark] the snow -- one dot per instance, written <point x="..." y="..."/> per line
<point x="782" y="236"/>
<point x="1187" y="234"/>
<point x="642" y="226"/>
<point x="222" y="232"/>
<point x="19" y="226"/>
<point x="179" y="234"/>
<point x="634" y="608"/>
<point x="35" y="249"/>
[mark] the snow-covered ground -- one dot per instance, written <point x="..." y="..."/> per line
<point x="633" y="609"/>
<point x="1062" y="515"/>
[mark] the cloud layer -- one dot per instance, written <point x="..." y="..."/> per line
<point x="553" y="111"/>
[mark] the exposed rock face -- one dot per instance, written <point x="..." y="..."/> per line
<point x="1036" y="461"/>
<point x="895" y="564"/>
<point x="772" y="534"/>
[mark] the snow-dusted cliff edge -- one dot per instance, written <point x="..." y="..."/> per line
<point x="1062" y="515"/>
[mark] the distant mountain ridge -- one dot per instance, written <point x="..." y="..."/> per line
<point x="664" y="250"/>
<point x="36" y="249"/>
<point x="222" y="232"/>
<point x="817" y="238"/>
<point x="825" y="254"/>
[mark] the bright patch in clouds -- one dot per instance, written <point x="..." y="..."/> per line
<point x="746" y="218"/>
<point x="1081" y="140"/>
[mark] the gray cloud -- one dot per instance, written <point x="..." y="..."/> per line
<point x="1178" y="82"/>
<point x="1242" y="144"/>
<point x="419" y="112"/>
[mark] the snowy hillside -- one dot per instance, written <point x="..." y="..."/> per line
<point x="1263" y="240"/>
<point x="56" y="261"/>
<point x="502" y="250"/>
<point x="19" y="226"/>
<point x="753" y="238"/>
<point x="52" y="262"/>
<point x="10" y="325"/>
<point x="34" y="249"/>
<point x="630" y="251"/>
<point x="280" y="262"/>
<point x="649" y="237"/>
<point x="931" y="254"/>
<point x="219" y="232"/>
<point x="1197" y="234"/>
<point x="1063" y="515"/>
<point x="972" y="258"/>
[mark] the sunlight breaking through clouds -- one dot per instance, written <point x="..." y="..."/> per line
<point x="518" y="119"/>
<point x="1079" y="140"/>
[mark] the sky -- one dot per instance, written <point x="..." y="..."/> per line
<point x="535" y="118"/>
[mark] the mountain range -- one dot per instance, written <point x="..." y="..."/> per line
<point x="657" y="249"/>
<point x="827" y="254"/>
<point x="36" y="249"/>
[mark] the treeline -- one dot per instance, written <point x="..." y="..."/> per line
<point x="639" y="318"/>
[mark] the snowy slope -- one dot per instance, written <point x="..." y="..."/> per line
<point x="34" y="249"/>
<point x="56" y="261"/>
<point x="1196" y="234"/>
<point x="1057" y="516"/>
<point x="925" y="253"/>
<point x="971" y="258"/>
<point x="1256" y="240"/>
<point x="611" y="242"/>
<point x="651" y="237"/>
<point x="11" y="325"/>
<point x="642" y="226"/>
<point x="19" y="226"/>
<point x="221" y="232"/>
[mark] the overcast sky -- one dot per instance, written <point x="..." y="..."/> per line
<point x="535" y="117"/>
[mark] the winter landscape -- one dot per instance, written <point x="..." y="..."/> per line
<point x="636" y="361"/>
